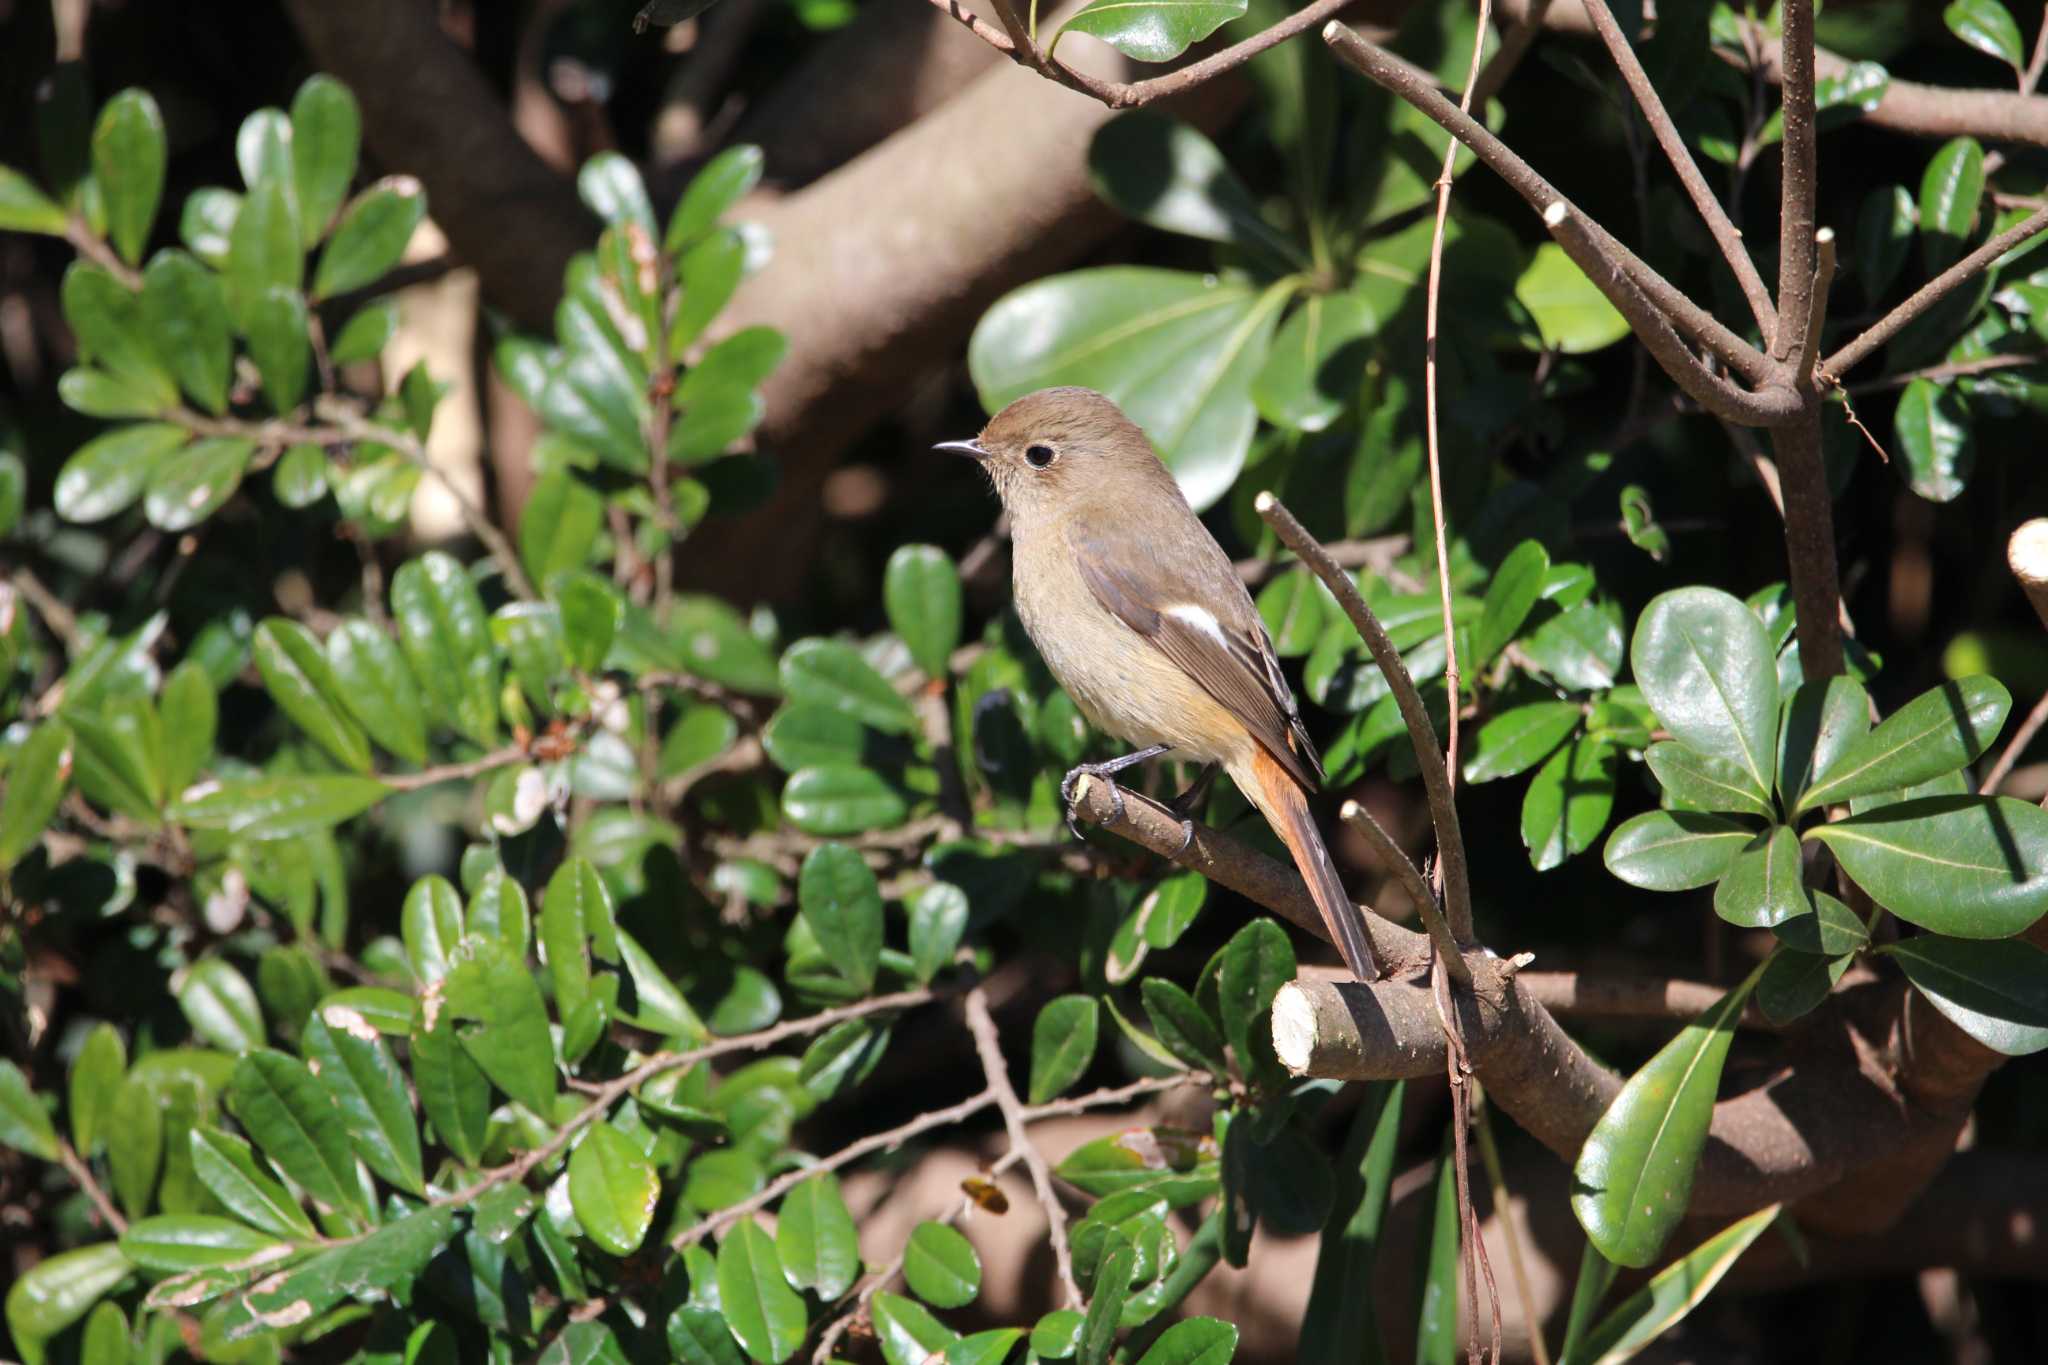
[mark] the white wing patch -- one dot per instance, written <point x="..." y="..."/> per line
<point x="1198" y="618"/>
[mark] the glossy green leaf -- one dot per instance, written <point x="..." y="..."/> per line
<point x="501" y="1019"/>
<point x="326" y="140"/>
<point x="1568" y="801"/>
<point x="702" y="732"/>
<point x="1674" y="850"/>
<point x="1195" y="1341"/>
<point x="95" y="393"/>
<point x="1518" y="739"/>
<point x="1516" y="587"/>
<point x="1831" y="929"/>
<point x="228" y="1168"/>
<point x="839" y="799"/>
<point x="1257" y="962"/>
<point x="1972" y="867"/>
<point x="1821" y="721"/>
<point x="220" y="1005"/>
<point x="24" y="208"/>
<point x="611" y="187"/>
<point x="938" y="920"/>
<point x="1951" y="189"/>
<point x="1987" y="26"/>
<point x="842" y="905"/>
<point x="357" y="1070"/>
<point x="1761" y="886"/>
<point x="810" y="734"/>
<point x="1936" y="733"/>
<point x="107" y="323"/>
<point x="816" y="1239"/>
<point x="24" y="1123"/>
<point x="37" y="778"/>
<point x="455" y="1095"/>
<point x="1152" y="30"/>
<point x="907" y="1333"/>
<point x="1634" y="1174"/>
<point x="1166" y="173"/>
<point x="699" y="1336"/>
<point x="1936" y="440"/>
<point x="447" y="640"/>
<point x="991" y="1347"/>
<point x="575" y="920"/>
<point x="1794" y="983"/>
<point x="135" y="1143"/>
<point x="185" y="312"/>
<point x="1569" y="309"/>
<point x="377" y="687"/>
<point x="940" y="1266"/>
<point x="56" y="1292"/>
<point x="613" y="1187"/>
<point x="1105" y="1306"/>
<point x="194" y="483"/>
<point x="1295" y="608"/>
<point x="1182" y="1025"/>
<point x="1695" y="781"/>
<point x="367" y="332"/>
<point x="561" y="522"/>
<point x="710" y="271"/>
<point x="921" y="590"/>
<point x="844" y="1055"/>
<point x="1580" y="648"/>
<point x="106" y="1338"/>
<point x="1317" y="361"/>
<point x="1995" y="992"/>
<point x="831" y="673"/>
<point x="302" y="682"/>
<point x="1705" y="667"/>
<point x="764" y="1313"/>
<point x="716" y="646"/>
<point x="276" y="322"/>
<point x="371" y="237"/>
<point x="724" y="180"/>
<point x="172" y="1243"/>
<point x="190" y="713"/>
<point x="1884" y="234"/>
<point x="277" y="807"/>
<point x="128" y="156"/>
<point x="1671" y="1294"/>
<point x="1105" y="329"/>
<point x="264" y="251"/>
<point x="590" y="611"/>
<point x="1339" y="1326"/>
<point x="207" y="222"/>
<point x="108" y="473"/>
<point x="392" y="1255"/>
<point x="1062" y="1045"/>
<point x="95" y="1078"/>
<point x="390" y="1012"/>
<point x="296" y="1124"/>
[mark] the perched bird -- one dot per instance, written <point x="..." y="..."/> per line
<point x="1143" y="620"/>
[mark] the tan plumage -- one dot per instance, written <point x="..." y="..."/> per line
<point x="1144" y="621"/>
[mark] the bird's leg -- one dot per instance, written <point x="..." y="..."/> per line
<point x="1184" y="804"/>
<point x="1106" y="772"/>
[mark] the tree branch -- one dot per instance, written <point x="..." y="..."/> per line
<point x="1799" y="180"/>
<point x="988" y="1045"/>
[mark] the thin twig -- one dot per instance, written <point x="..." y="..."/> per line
<point x="1443" y="809"/>
<point x="94" y="247"/>
<point x="1377" y="554"/>
<point x="1514" y="45"/>
<point x="453" y="772"/>
<point x="1808" y="353"/>
<point x="988" y="1045"/>
<point x="1953" y="369"/>
<point x="1413" y="882"/>
<point x="1925" y="297"/>
<point x="1497" y="1181"/>
<point x="81" y="1173"/>
<point x="1726" y="235"/>
<point x="2015" y="746"/>
<point x="61" y="620"/>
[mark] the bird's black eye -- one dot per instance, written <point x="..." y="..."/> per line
<point x="1039" y="456"/>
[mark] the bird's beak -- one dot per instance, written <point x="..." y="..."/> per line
<point x="971" y="449"/>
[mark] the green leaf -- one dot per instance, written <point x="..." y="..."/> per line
<point x="1762" y="885"/>
<point x="1182" y="1025"/>
<point x="106" y="1338"/>
<point x="172" y="1243"/>
<point x="24" y="1123"/>
<point x="808" y="735"/>
<point x="1634" y="1174"/>
<point x="128" y="156"/>
<point x="1794" y="983"/>
<point x="1317" y="361"/>
<point x="455" y="1095"/>
<point x="1058" y="1334"/>
<point x="1436" y="1328"/>
<point x="1821" y="720"/>
<point x="1936" y="438"/>
<point x="1884" y="233"/>
<point x="1973" y="867"/>
<point x="357" y="1070"/>
<point x="1695" y="781"/>
<point x="447" y="640"/>
<point x="185" y="313"/>
<point x="717" y="646"/>
<point x="263" y="247"/>
<point x="1951" y="189"/>
<point x="371" y="236"/>
<point x="108" y="473"/>
<point x="1515" y="588"/>
<point x="1931" y="736"/>
<point x="56" y="1292"/>
<point x="1579" y="648"/>
<point x="1706" y="668"/>
<point x="701" y="733"/>
<point x="277" y="807"/>
<point x="816" y="1239"/>
<point x="921" y="590"/>
<point x="837" y="799"/>
<point x="1995" y="992"/>
<point x="391" y="1012"/>
<point x="376" y="688"/>
<point x="501" y="1020"/>
<point x="24" y="208"/>
<point x="1062" y="1045"/>
<point x="1519" y="738"/>
<point x="1195" y="1341"/>
<point x="1987" y="26"/>
<point x="907" y="1333"/>
<point x="1674" y="850"/>
<point x="1568" y="802"/>
<point x="135" y="1143"/>
<point x="725" y="180"/>
<point x="1106" y="1306"/>
<point x="1256" y="962"/>
<point x="276" y="321"/>
<point x="611" y="186"/>
<point x="1569" y="309"/>
<point x="938" y="920"/>
<point x="699" y="1336"/>
<point x="831" y="673"/>
<point x="228" y="1169"/>
<point x="575" y="917"/>
<point x="842" y="905"/>
<point x="219" y="1004"/>
<point x="844" y="1055"/>
<point x="560" y="524"/>
<point x="295" y="1123"/>
<point x="194" y="483"/>
<point x="207" y="223"/>
<point x="764" y="1313"/>
<point x="1166" y="174"/>
<point x="95" y="393"/>
<point x="392" y="1255"/>
<point x="1671" y="1294"/>
<point x="1152" y="30"/>
<point x="1340" y="1325"/>
<point x="1295" y="607"/>
<point x="590" y="610"/>
<point x="1106" y="328"/>
<point x="710" y="271"/>
<point x="326" y="140"/>
<point x="1831" y="929"/>
<point x="37" y="777"/>
<point x="191" y="719"/>
<point x="365" y="335"/>
<point x="302" y="682"/>
<point x="96" y="1075"/>
<point x="106" y="320"/>
<point x="991" y="1347"/>
<point x="940" y="1266"/>
<point x="613" y="1187"/>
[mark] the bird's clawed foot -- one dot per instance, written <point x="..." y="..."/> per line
<point x="1106" y="772"/>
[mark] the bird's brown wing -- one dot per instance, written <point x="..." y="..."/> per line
<point x="1193" y="608"/>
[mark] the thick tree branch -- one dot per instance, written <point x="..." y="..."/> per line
<point x="1799" y="182"/>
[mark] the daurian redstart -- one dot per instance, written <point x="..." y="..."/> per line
<point x="1140" y="615"/>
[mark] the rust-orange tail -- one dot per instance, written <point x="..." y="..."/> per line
<point x="1285" y="807"/>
